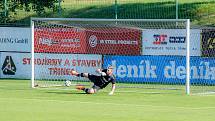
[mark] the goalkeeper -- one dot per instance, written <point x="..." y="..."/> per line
<point x="99" y="82"/>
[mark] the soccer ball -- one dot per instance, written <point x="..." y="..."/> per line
<point x="68" y="83"/>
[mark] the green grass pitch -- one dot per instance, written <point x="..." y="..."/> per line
<point x="19" y="102"/>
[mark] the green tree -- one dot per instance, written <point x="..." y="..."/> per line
<point x="10" y="7"/>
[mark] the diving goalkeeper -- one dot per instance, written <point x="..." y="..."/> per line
<point x="99" y="82"/>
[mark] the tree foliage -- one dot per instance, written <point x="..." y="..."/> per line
<point x="38" y="6"/>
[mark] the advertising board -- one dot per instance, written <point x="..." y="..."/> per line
<point x="15" y="39"/>
<point x="161" y="69"/>
<point x="170" y="42"/>
<point x="208" y="42"/>
<point x="47" y="66"/>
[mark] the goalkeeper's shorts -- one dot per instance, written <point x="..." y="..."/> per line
<point x="94" y="78"/>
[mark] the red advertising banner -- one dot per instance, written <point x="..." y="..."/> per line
<point x="59" y="40"/>
<point x="113" y="41"/>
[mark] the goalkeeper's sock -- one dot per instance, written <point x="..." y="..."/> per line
<point x="86" y="90"/>
<point x="80" y="75"/>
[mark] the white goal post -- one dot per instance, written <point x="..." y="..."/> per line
<point x="88" y="41"/>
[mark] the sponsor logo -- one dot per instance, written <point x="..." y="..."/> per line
<point x="93" y="41"/>
<point x="47" y="41"/>
<point x="14" y="40"/>
<point x="170" y="69"/>
<point x="177" y="39"/>
<point x="160" y="39"/>
<point x="8" y="66"/>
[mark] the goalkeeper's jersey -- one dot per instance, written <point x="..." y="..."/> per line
<point x="102" y="81"/>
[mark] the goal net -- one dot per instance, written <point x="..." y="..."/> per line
<point x="157" y="54"/>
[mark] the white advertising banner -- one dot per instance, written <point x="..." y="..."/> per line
<point x="47" y="66"/>
<point x="15" y="39"/>
<point x="170" y="42"/>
